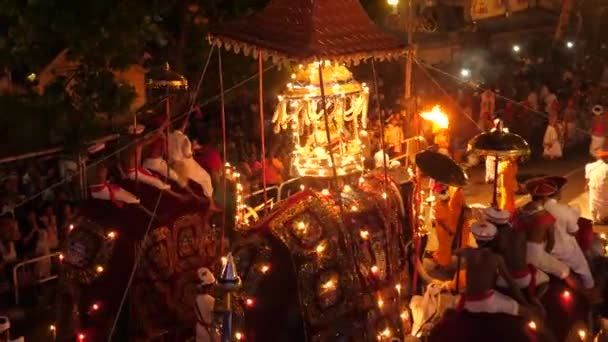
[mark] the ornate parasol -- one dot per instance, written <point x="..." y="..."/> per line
<point x="441" y="168"/>
<point x="501" y="144"/>
<point x="166" y="79"/>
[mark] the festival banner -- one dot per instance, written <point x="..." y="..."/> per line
<point x="485" y="9"/>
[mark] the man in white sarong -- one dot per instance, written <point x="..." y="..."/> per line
<point x="566" y="248"/>
<point x="203" y="307"/>
<point x="596" y="175"/>
<point x="551" y="140"/>
<point x="180" y="152"/>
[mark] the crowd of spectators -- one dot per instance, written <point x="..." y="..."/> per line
<point x="36" y="227"/>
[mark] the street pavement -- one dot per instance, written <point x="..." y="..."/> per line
<point x="572" y="167"/>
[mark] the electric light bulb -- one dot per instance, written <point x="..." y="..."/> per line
<point x="302" y="187"/>
<point x="224" y="260"/>
<point x="249" y="302"/>
<point x="293" y="76"/>
<point x="398" y="288"/>
<point x="325" y="192"/>
<point x="265" y="268"/>
<point x="364" y="234"/>
<point x="52" y="328"/>
<point x="95" y="307"/>
<point x="403" y="315"/>
<point x="380" y="302"/>
<point x="61" y="257"/>
<point x="532" y="325"/>
<point x="329" y="285"/>
<point x="393" y="2"/>
<point x="361" y="180"/>
<point x="111" y="235"/>
<point x="81" y="337"/>
<point x="71" y="227"/>
<point x="603" y="236"/>
<point x="386" y="332"/>
<point x="566" y="294"/>
<point x="374" y="269"/>
<point x="582" y="334"/>
<point x="354" y="208"/>
<point x="347" y="188"/>
<point x="320" y="248"/>
<point x="239" y="336"/>
<point x="99" y="269"/>
<point x="384" y="195"/>
<point x="516" y="48"/>
<point x="301" y="225"/>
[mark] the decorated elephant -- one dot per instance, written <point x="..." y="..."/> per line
<point x="328" y="265"/>
<point x="98" y="265"/>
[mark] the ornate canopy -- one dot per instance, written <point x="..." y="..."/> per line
<point x="310" y="30"/>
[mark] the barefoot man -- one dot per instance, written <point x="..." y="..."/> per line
<point x="511" y="245"/>
<point x="538" y="224"/>
<point x="482" y="266"/>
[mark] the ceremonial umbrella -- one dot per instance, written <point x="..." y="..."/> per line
<point x="441" y="168"/>
<point x="500" y="144"/>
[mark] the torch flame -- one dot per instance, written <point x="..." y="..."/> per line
<point x="437" y="117"/>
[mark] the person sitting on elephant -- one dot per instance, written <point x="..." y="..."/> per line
<point x="482" y="265"/>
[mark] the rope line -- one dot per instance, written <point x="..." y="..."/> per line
<point x="475" y="86"/>
<point x="137" y="140"/>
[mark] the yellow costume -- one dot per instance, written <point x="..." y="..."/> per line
<point x="445" y="232"/>
<point x="456" y="204"/>
<point x="507" y="171"/>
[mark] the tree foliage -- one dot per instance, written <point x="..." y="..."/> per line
<point x="101" y="36"/>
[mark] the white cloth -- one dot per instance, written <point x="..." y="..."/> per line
<point x="495" y="303"/>
<point x="552" y="146"/>
<point x="597" y="175"/>
<point x="537" y="256"/>
<point x="379" y="161"/>
<point x="596" y="144"/>
<point x="490" y="165"/>
<point x="179" y="146"/>
<point x="160" y="166"/>
<point x="566" y="248"/>
<point x="204" y="305"/>
<point x="191" y="169"/>
<point x="142" y="176"/>
<point x="540" y="277"/>
<point x="180" y="152"/>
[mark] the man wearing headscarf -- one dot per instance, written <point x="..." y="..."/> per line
<point x="566" y="248"/>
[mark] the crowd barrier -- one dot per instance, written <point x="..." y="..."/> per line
<point x="24" y="263"/>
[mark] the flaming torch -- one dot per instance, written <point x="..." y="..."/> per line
<point x="437" y="117"/>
